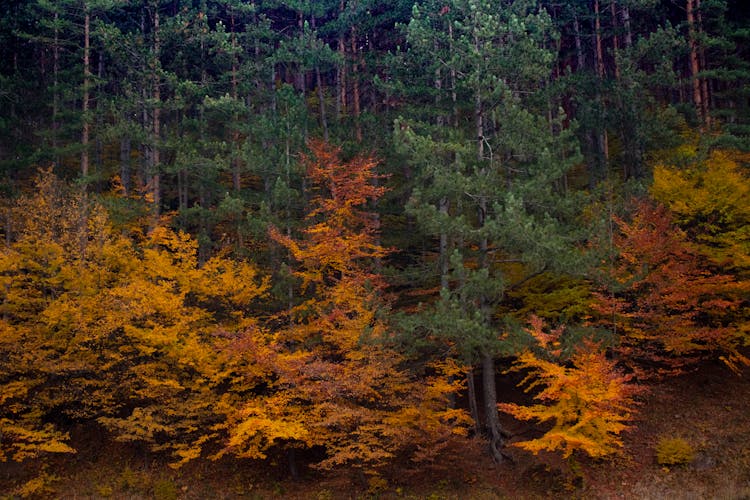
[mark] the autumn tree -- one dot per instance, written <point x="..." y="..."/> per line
<point x="588" y="401"/>
<point x="96" y="329"/>
<point x="666" y="305"/>
<point x="336" y="382"/>
<point x="709" y="199"/>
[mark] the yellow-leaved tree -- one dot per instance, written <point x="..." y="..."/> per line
<point x="587" y="400"/>
<point x="133" y="334"/>
<point x="710" y="199"/>
<point x="337" y="383"/>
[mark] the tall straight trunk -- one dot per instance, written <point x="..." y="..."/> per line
<point x="602" y="138"/>
<point x="628" y="41"/>
<point x="55" y="89"/>
<point x="615" y="38"/>
<point x="705" y="95"/>
<point x="125" y="164"/>
<point x="438" y="83"/>
<point x="598" y="45"/>
<point x="579" y="50"/>
<point x="299" y="75"/>
<point x="341" y="72"/>
<point x="99" y="158"/>
<point x="444" y="206"/>
<point x="472" y="395"/>
<point x="479" y="124"/>
<point x="321" y="103"/>
<point x="355" y="86"/>
<point x="694" y="65"/>
<point x="85" y="101"/>
<point x="341" y="81"/>
<point x="155" y="179"/>
<point x="494" y="428"/>
<point x="144" y="166"/>
<point x="489" y="389"/>
<point x="236" y="180"/>
<point x="321" y="94"/>
<point x="454" y="95"/>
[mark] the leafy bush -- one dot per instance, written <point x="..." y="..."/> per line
<point x="674" y="451"/>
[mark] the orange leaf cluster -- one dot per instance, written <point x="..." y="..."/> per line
<point x="587" y="400"/>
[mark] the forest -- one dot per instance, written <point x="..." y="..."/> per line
<point x="343" y="238"/>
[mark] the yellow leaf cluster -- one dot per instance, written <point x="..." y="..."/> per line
<point x="586" y="400"/>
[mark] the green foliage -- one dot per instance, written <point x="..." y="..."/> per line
<point x="165" y="489"/>
<point x="674" y="451"/>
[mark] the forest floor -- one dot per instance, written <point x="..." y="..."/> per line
<point x="709" y="408"/>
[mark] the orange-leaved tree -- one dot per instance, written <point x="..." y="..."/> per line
<point x="93" y="327"/>
<point x="588" y="400"/>
<point x="337" y="383"/>
<point x="667" y="305"/>
<point x="176" y="323"/>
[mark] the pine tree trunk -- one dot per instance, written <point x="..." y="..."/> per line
<point x="492" y="419"/>
<point x="85" y="100"/>
<point x="579" y="48"/>
<point x="321" y="95"/>
<point x="341" y="81"/>
<point x="454" y="95"/>
<point x="615" y="39"/>
<point x="598" y="45"/>
<point x="125" y="165"/>
<point x="705" y="95"/>
<point x="156" y="159"/>
<point x="472" y="396"/>
<point x="236" y="180"/>
<point x="55" y="89"/>
<point x="694" y="65"/>
<point x="602" y="138"/>
<point x="626" y="22"/>
<point x="355" y="86"/>
<point x="341" y="72"/>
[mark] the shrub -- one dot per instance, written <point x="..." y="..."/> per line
<point x="674" y="451"/>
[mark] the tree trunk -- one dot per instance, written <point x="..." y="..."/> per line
<point x="472" y="395"/>
<point x="55" y="89"/>
<point x="321" y="95"/>
<point x="602" y="138"/>
<point x="694" y="67"/>
<point x="125" y="165"/>
<point x="454" y="95"/>
<point x="579" y="49"/>
<point x="341" y="72"/>
<point x="355" y="86"/>
<point x="85" y="101"/>
<point x="705" y="95"/>
<point x="236" y="180"/>
<point x="494" y="428"/>
<point x="626" y="22"/>
<point x="615" y="39"/>
<point x="155" y="179"/>
<point x="598" y="45"/>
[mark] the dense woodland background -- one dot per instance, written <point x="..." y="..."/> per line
<point x="323" y="230"/>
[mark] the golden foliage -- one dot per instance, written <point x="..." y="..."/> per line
<point x="587" y="400"/>
<point x="711" y="201"/>
<point x="336" y="383"/>
<point x="93" y="327"/>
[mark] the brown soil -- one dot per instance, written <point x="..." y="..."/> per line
<point x="709" y="408"/>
